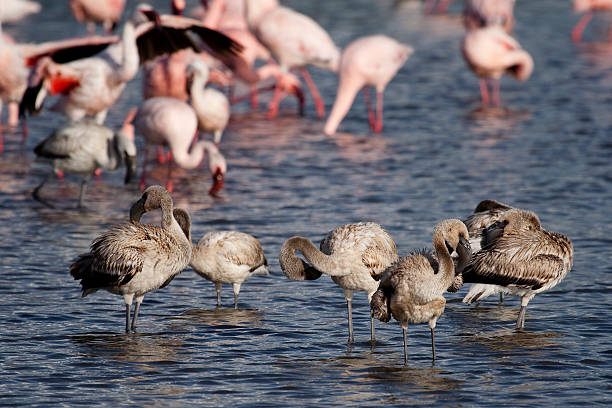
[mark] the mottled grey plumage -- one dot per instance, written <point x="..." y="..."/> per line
<point x="134" y="259"/>
<point x="81" y="148"/>
<point x="351" y="254"/>
<point x="411" y="289"/>
<point x="228" y="257"/>
<point x="519" y="257"/>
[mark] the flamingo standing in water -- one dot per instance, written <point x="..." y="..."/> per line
<point x="13" y="81"/>
<point x="483" y="13"/>
<point x="89" y="86"/>
<point x="12" y="11"/>
<point x="91" y="12"/>
<point x="490" y="52"/>
<point x="351" y="254"/>
<point x="588" y="7"/>
<point x="366" y="61"/>
<point x="295" y="40"/>
<point x="167" y="121"/>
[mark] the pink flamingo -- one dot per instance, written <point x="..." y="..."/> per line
<point x="295" y="40"/>
<point x="374" y="61"/>
<point x="211" y="106"/>
<point x="12" y="11"/>
<point x="588" y="7"/>
<point x="89" y="86"/>
<point x="490" y="52"/>
<point x="92" y="12"/>
<point x="482" y="13"/>
<point x="168" y="121"/>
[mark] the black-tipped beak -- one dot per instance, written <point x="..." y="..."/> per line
<point x="218" y="182"/>
<point x="136" y="211"/>
<point x="130" y="168"/>
<point x="152" y="15"/>
<point x="464" y="252"/>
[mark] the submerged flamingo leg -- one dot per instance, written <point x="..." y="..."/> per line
<point x="484" y="93"/>
<point x="279" y="94"/>
<point x="254" y="97"/>
<point x="315" y="93"/>
<point x="379" y="109"/>
<point x="581" y="25"/>
<point x="169" y="186"/>
<point x="161" y="157"/>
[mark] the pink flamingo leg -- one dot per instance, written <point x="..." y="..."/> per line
<point x="581" y="25"/>
<point x="24" y="130"/>
<point x="169" y="185"/>
<point x="254" y="97"/>
<point x="279" y="94"/>
<point x="315" y="93"/>
<point x="496" y="99"/>
<point x="143" y="176"/>
<point x="379" y="109"/>
<point x="161" y="157"/>
<point x="484" y="93"/>
<point x="371" y="118"/>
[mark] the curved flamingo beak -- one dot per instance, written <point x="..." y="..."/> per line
<point x="218" y="182"/>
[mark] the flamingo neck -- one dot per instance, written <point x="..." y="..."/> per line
<point x="347" y="90"/>
<point x="130" y="61"/>
<point x="446" y="272"/>
<point x="192" y="159"/>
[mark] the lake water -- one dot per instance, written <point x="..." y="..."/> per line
<point x="547" y="150"/>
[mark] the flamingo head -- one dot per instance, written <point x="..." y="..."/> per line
<point x="523" y="67"/>
<point x="177" y="6"/>
<point x="218" y="182"/>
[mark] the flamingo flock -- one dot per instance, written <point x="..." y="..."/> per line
<point x="187" y="64"/>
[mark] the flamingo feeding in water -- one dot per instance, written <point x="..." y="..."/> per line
<point x="89" y="86"/>
<point x="374" y="61"/>
<point x="490" y="52"/>
<point x="164" y="121"/>
<point x="295" y="40"/>
<point x="134" y="259"/>
<point x="351" y="254"/>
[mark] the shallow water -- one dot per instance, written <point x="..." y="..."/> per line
<point x="547" y="150"/>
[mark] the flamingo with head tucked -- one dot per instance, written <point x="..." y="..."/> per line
<point x="490" y="52"/>
<point x="374" y="61"/>
<point x="295" y="40"/>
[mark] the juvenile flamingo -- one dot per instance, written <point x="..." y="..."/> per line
<point x="366" y="61"/>
<point x="490" y="52"/>
<point x="412" y="288"/>
<point x="169" y="122"/>
<point x="520" y="258"/>
<point x="588" y="7"/>
<point x="134" y="259"/>
<point x="82" y="148"/>
<point x="295" y="40"/>
<point x="351" y="254"/>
